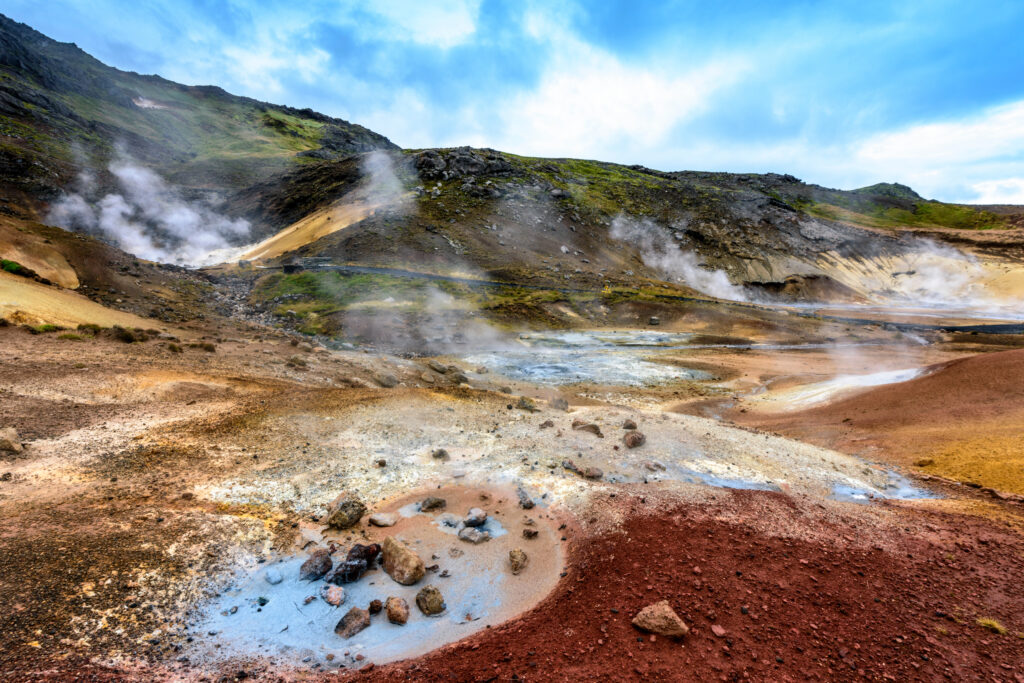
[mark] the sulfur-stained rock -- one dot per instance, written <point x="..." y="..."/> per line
<point x="401" y="562"/>
<point x="517" y="560"/>
<point x="397" y="610"/>
<point x="345" y="512"/>
<point x="430" y="601"/>
<point x="659" y="618"/>
<point x="332" y="595"/>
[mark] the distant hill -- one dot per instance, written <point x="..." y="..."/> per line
<point x="61" y="110"/>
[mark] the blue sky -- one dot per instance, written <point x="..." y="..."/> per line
<point x="843" y="94"/>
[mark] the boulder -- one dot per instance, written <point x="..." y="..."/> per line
<point x="517" y="560"/>
<point x="345" y="512"/>
<point x="9" y="440"/>
<point x="316" y="565"/>
<point x="401" y="562"/>
<point x="430" y="601"/>
<point x="354" y="621"/>
<point x="660" y="619"/>
<point x="383" y="519"/>
<point x="397" y="610"/>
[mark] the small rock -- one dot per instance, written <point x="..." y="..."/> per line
<point x="440" y="454"/>
<point x="318" y="564"/>
<point x="383" y="519"/>
<point x="437" y="366"/>
<point x="654" y="320"/>
<point x="273" y="576"/>
<point x="592" y="473"/>
<point x="345" y="512"/>
<point x="581" y="426"/>
<point x="559" y="403"/>
<point x="381" y="462"/>
<point x="433" y="503"/>
<point x="517" y="560"/>
<point x="375" y="607"/>
<point x="353" y="622"/>
<point x="525" y="501"/>
<point x="659" y="618"/>
<point x="530" y="533"/>
<point x="430" y="601"/>
<point x="401" y="562"/>
<point x="9" y="440"/>
<point x="473" y="535"/>
<point x="528" y="404"/>
<point x="629" y="424"/>
<point x="386" y="380"/>
<point x="475" y="517"/>
<point x="546" y="424"/>
<point x="634" y="439"/>
<point x="397" y="609"/>
<point x="458" y="378"/>
<point x="360" y="558"/>
<point x="718" y="630"/>
<point x="332" y="595"/>
<point x="653" y="466"/>
<point x="924" y="462"/>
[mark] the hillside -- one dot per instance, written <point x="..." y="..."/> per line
<point x="62" y="111"/>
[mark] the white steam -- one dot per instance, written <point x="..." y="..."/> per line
<point x="660" y="251"/>
<point x="939" y="275"/>
<point x="383" y="187"/>
<point x="148" y="218"/>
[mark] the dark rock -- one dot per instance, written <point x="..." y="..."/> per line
<point x="528" y="404"/>
<point x="386" y="380"/>
<point x="440" y="454"/>
<point x="360" y="558"/>
<point x="353" y="622"/>
<point x="546" y="424"/>
<point x="629" y="424"/>
<point x="525" y="501"/>
<point x="530" y="534"/>
<point x="316" y="565"/>
<point x="375" y="607"/>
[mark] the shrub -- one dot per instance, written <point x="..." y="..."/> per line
<point x="992" y="625"/>
<point x="70" y="336"/>
<point x="43" y="329"/>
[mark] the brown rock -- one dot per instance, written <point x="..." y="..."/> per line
<point x="397" y="609"/>
<point x="592" y="473"/>
<point x="9" y="440"/>
<point x="354" y="621"/>
<point x="345" y="512"/>
<point x="634" y="439"/>
<point x="375" y="606"/>
<point x="629" y="424"/>
<point x="401" y="562"/>
<point x="517" y="560"/>
<point x="433" y="503"/>
<point x="581" y="426"/>
<point x="530" y="533"/>
<point x="659" y="618"/>
<point x="430" y="601"/>
<point x="318" y="564"/>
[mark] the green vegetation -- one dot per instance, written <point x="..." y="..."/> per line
<point x="923" y="214"/>
<point x="70" y="336"/>
<point x="44" y="329"/>
<point x="14" y="268"/>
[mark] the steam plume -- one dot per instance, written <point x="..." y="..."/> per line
<point x="148" y="217"/>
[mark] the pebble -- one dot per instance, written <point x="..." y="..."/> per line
<point x="430" y="601"/>
<point x="634" y="439"/>
<point x="397" y="610"/>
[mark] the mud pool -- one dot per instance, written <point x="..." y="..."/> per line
<point x="253" y="617"/>
<point x="597" y="357"/>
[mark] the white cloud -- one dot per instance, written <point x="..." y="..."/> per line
<point x="995" y="133"/>
<point x="443" y="23"/>
<point x="1006" y="191"/>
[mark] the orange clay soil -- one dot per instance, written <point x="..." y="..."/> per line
<point x="964" y="421"/>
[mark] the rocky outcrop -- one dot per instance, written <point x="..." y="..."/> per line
<point x="461" y="162"/>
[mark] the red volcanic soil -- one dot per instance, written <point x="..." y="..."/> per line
<point x="967" y="416"/>
<point x="791" y="609"/>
